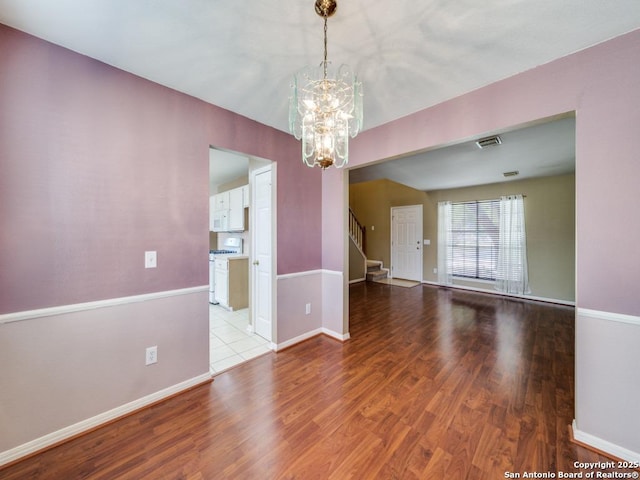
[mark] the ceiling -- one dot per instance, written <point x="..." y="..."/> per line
<point x="242" y="54"/>
<point x="539" y="150"/>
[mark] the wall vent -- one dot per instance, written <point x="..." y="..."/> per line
<point x="489" y="141"/>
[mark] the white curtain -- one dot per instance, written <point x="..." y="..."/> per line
<point x="445" y="247"/>
<point x="511" y="272"/>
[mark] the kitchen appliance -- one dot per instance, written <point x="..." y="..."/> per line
<point x="231" y="246"/>
<point x="220" y="221"/>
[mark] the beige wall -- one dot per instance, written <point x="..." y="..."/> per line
<point x="371" y="203"/>
<point x="238" y="182"/>
<point x="550" y="223"/>
<point x="356" y="263"/>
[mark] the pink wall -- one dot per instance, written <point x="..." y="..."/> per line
<point x="97" y="166"/>
<point x="602" y="84"/>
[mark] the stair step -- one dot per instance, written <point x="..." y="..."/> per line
<point x="375" y="270"/>
<point x="374" y="264"/>
<point x="378" y="275"/>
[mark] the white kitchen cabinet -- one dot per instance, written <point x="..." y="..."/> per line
<point x="245" y="196"/>
<point x="212" y="209"/>
<point x="219" y="212"/>
<point x="221" y="201"/>
<point x="232" y="282"/>
<point x="226" y="210"/>
<point x="236" y="210"/>
<point x="221" y="276"/>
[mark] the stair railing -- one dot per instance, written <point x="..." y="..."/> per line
<point x="356" y="231"/>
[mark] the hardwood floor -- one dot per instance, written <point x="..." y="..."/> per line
<point x="434" y="384"/>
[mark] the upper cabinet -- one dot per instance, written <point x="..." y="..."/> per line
<point x="221" y="201"/>
<point x="245" y="195"/>
<point x="212" y="209"/>
<point x="227" y="210"/>
<point x="236" y="210"/>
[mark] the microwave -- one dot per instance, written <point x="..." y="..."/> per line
<point x="220" y="221"/>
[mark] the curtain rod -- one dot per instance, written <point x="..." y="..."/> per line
<point x="489" y="200"/>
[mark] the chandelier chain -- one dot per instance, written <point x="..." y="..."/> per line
<point x="325" y="48"/>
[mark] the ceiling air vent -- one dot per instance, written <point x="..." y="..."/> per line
<point x="489" y="141"/>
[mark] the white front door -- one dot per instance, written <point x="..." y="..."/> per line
<point x="406" y="242"/>
<point x="262" y="257"/>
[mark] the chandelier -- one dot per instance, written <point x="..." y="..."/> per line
<point x="325" y="106"/>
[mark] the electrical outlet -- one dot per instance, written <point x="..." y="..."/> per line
<point x="150" y="259"/>
<point x="435" y="270"/>
<point x="151" y="356"/>
<point x="307" y="308"/>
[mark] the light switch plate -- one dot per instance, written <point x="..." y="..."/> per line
<point x="151" y="355"/>
<point x="150" y="260"/>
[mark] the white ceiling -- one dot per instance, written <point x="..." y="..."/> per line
<point x="539" y="150"/>
<point x="241" y="54"/>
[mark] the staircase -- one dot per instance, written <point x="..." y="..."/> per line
<point x="375" y="272"/>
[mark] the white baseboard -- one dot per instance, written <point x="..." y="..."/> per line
<point x="495" y="292"/>
<point x="338" y="336"/>
<point x="94" y="422"/>
<point x="310" y="334"/>
<point x="603" y="445"/>
<point x="298" y="339"/>
<point x="307" y="273"/>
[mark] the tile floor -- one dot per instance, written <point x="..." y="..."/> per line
<point x="230" y="342"/>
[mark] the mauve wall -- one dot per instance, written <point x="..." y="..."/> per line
<point x="602" y="85"/>
<point x="97" y="166"/>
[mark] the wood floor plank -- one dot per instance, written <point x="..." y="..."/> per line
<point x="434" y="383"/>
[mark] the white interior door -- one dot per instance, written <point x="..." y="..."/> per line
<point x="406" y="242"/>
<point x="262" y="255"/>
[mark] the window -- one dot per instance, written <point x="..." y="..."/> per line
<point x="486" y="241"/>
<point x="475" y="237"/>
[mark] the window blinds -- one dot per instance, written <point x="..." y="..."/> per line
<point x="475" y="236"/>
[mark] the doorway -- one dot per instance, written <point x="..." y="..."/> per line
<point x="232" y="333"/>
<point x="406" y="242"/>
<point x="537" y="159"/>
